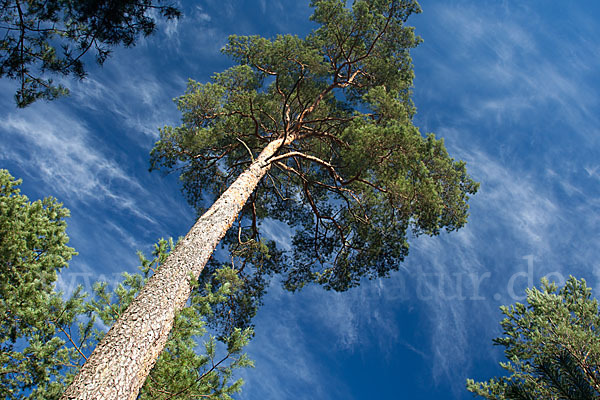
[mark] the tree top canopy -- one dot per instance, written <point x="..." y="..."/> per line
<point x="353" y="177"/>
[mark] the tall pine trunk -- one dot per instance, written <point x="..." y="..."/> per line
<point x="119" y="365"/>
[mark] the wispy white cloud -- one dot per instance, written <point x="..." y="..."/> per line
<point x="517" y="74"/>
<point x="59" y="149"/>
<point x="200" y="15"/>
<point x="524" y="206"/>
<point x="137" y="98"/>
<point x="467" y="273"/>
<point x="283" y="351"/>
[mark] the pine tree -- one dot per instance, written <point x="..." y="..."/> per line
<point x="316" y="133"/>
<point x="33" y="249"/>
<point x="552" y="344"/>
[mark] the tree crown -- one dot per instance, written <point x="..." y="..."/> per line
<point x="354" y="176"/>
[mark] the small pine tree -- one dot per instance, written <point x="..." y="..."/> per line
<point x="552" y="345"/>
<point x="33" y="249"/>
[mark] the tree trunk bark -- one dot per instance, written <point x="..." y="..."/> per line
<point x="118" y="367"/>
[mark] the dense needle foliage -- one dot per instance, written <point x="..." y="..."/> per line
<point x="33" y="249"/>
<point x="552" y="344"/>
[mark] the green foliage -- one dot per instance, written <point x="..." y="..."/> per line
<point x="552" y="345"/>
<point x="33" y="249"/>
<point x="51" y="37"/>
<point x="356" y="180"/>
<point x="46" y="339"/>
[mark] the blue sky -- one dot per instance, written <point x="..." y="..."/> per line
<point x="511" y="86"/>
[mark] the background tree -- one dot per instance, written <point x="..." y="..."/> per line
<point x="48" y="37"/>
<point x="33" y="249"/>
<point x="316" y="133"/>
<point x="552" y="345"/>
<point x="44" y="339"/>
